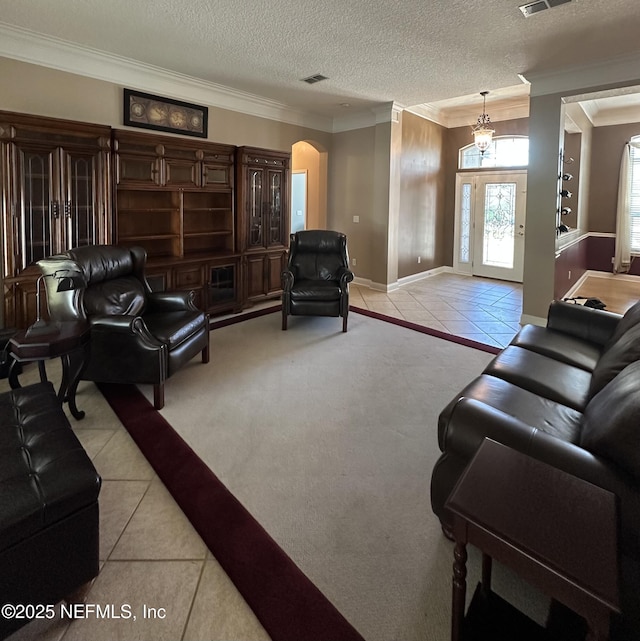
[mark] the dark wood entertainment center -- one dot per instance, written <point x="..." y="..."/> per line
<point x="213" y="218"/>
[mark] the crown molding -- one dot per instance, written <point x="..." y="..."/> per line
<point x="623" y="70"/>
<point x="429" y="112"/>
<point x="35" y="48"/>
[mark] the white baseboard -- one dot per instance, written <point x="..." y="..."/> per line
<point x="391" y="287"/>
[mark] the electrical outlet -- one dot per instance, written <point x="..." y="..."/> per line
<point x="356" y="219"/>
<point x="419" y="259"/>
<point x="354" y="262"/>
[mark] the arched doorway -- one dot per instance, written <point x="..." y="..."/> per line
<point x="309" y="160"/>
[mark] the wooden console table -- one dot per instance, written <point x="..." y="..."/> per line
<point x="555" y="530"/>
<point x="68" y="341"/>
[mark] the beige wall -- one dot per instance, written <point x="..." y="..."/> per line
<point x="546" y="119"/>
<point x="607" y="146"/>
<point x="37" y="90"/>
<point x="422" y="198"/>
<point x="351" y="194"/>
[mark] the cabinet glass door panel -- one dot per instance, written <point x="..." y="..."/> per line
<point x="39" y="207"/>
<point x="80" y="200"/>
<point x="275" y="207"/>
<point x="254" y="206"/>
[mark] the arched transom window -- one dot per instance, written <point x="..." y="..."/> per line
<point x="504" y="151"/>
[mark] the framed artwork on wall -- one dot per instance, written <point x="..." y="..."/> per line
<point x="164" y="114"/>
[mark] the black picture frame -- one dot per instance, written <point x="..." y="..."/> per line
<point x="148" y="111"/>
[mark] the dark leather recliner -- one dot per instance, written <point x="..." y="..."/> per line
<point x="316" y="281"/>
<point x="137" y="336"/>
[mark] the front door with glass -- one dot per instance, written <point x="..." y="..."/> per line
<point x="490" y="224"/>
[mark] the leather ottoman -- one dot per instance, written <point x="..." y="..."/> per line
<point x="48" y="503"/>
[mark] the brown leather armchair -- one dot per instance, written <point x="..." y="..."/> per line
<point x="316" y="281"/>
<point x="137" y="336"/>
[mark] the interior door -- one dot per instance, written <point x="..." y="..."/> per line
<point x="490" y="224"/>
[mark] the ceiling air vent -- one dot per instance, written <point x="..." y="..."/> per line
<point x="535" y="7"/>
<point x="311" y="80"/>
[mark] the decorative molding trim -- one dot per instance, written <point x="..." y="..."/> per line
<point x="581" y="237"/>
<point x="34" y="48"/>
<point x="619" y="71"/>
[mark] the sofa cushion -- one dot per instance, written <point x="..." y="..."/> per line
<point x="542" y="375"/>
<point x="615" y="358"/>
<point x="611" y="423"/>
<point x="558" y="345"/>
<point x="315" y="290"/>
<point x="547" y="415"/>
<point x="124" y="295"/>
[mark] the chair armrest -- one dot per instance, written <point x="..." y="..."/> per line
<point x="173" y="301"/>
<point x="287" y="279"/>
<point x="124" y="325"/>
<point x="345" y="275"/>
<point x="593" y="325"/>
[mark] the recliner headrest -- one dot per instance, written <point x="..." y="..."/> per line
<point x="319" y="241"/>
<point x="102" y="262"/>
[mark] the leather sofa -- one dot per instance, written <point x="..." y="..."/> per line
<point x="316" y="281"/>
<point x="48" y="504"/>
<point x="137" y="335"/>
<point x="566" y="394"/>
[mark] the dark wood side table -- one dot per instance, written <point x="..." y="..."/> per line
<point x="68" y="341"/>
<point x="555" y="530"/>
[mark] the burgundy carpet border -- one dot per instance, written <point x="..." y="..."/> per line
<point x="288" y="605"/>
<point x="225" y="322"/>
<point x="467" y="342"/>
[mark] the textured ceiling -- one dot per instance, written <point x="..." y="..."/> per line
<point x="373" y="51"/>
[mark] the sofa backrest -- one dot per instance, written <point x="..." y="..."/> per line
<point x="611" y="420"/>
<point x="622" y="349"/>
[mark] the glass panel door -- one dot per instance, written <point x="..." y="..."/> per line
<point x="38" y="206"/>
<point x="275" y="207"/>
<point x="80" y="200"/>
<point x="254" y="206"/>
<point x="490" y="224"/>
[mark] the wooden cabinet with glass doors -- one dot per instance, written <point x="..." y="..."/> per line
<point x="55" y="196"/>
<point x="175" y="198"/>
<point x="263" y="208"/>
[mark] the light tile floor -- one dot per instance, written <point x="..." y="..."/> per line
<point x="480" y="309"/>
<point x="150" y="554"/>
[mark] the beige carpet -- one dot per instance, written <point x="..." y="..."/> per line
<point x="329" y="440"/>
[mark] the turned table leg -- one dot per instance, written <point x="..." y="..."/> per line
<point x="459" y="590"/>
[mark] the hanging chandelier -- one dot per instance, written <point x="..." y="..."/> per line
<point x="483" y="131"/>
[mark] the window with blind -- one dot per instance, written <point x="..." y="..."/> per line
<point x="634" y="194"/>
